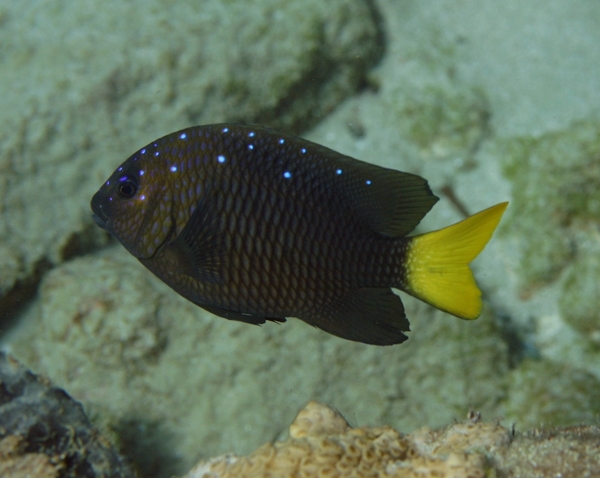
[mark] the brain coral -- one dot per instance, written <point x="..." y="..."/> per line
<point x="322" y="444"/>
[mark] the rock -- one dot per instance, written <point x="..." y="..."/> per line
<point x="99" y="86"/>
<point x="169" y="379"/>
<point x="541" y="392"/>
<point x="46" y="434"/>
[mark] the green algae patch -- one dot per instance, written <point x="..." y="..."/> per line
<point x="445" y="118"/>
<point x="434" y="108"/>
<point x="555" y="207"/>
<point x="579" y="302"/>
<point x="547" y="393"/>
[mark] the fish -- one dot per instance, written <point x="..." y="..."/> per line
<point x="255" y="225"/>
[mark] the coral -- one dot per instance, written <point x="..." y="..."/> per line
<point x="45" y="433"/>
<point x="322" y="444"/>
<point x="17" y="463"/>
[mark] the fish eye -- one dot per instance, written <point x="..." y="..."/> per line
<point x="127" y="187"/>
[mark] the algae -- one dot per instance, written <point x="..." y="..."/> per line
<point x="445" y="118"/>
<point x="546" y="393"/>
<point x="555" y="179"/>
<point x="579" y="301"/>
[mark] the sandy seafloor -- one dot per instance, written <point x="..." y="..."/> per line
<point x="490" y="101"/>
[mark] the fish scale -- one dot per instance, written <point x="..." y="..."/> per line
<point x="255" y="225"/>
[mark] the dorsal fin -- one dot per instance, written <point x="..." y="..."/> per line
<point x="387" y="201"/>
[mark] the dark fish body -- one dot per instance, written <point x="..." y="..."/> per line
<point x="255" y="225"/>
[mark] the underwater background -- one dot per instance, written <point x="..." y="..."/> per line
<point x="489" y="101"/>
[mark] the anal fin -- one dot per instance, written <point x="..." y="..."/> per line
<point x="368" y="315"/>
<point x="239" y="316"/>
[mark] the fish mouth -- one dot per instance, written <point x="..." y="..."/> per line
<point x="97" y="212"/>
<point x="98" y="220"/>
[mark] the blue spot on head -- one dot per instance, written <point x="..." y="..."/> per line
<point x="250" y="146"/>
<point x="143" y="151"/>
<point x="123" y="178"/>
<point x="156" y="154"/>
<point x="173" y="169"/>
<point x="155" y="145"/>
<point x="221" y="158"/>
<point x="338" y="171"/>
<point x="142" y="197"/>
<point x="225" y="130"/>
<point x="251" y="134"/>
<point x="303" y="150"/>
<point x="108" y="183"/>
<point x="368" y="181"/>
<point x="141" y="172"/>
<point x="287" y="175"/>
<point x="120" y="168"/>
<point x="182" y="136"/>
<point x="281" y="141"/>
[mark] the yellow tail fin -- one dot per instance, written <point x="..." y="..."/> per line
<point x="437" y="263"/>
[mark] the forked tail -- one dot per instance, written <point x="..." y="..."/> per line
<point x="437" y="263"/>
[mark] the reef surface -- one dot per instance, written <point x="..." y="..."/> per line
<point x="490" y="101"/>
<point x="322" y="444"/>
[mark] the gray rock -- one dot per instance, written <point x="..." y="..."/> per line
<point x="87" y="89"/>
<point x="44" y="431"/>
